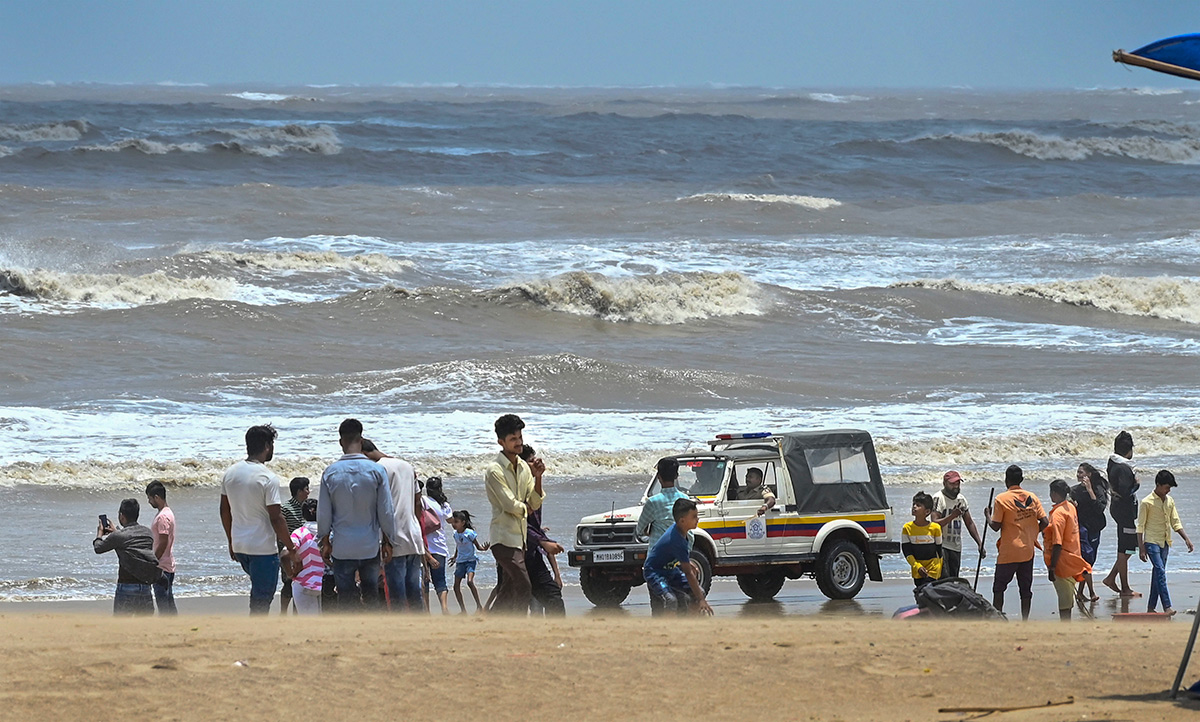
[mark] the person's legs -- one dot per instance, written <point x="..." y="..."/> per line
<point x="1004" y="575"/>
<point x="347" y="588"/>
<point x="1064" y="587"/>
<point x="1025" y="587"/>
<point x="264" y="576"/>
<point x="308" y="601"/>
<point x="368" y="574"/>
<point x="285" y="590"/>
<point x="951" y="563"/>
<point x="164" y="594"/>
<point x="661" y="597"/>
<point x="437" y="579"/>
<point x="1158" y="578"/>
<point x="512" y="596"/>
<point x="133" y="600"/>
<point x="474" y="591"/>
<point x="545" y="590"/>
<point x="329" y="597"/>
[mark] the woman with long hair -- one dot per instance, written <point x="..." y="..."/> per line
<point x="437" y="511"/>
<point x="1091" y="500"/>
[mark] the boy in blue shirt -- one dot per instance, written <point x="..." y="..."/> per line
<point x="670" y="576"/>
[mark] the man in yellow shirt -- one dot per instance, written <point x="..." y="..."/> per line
<point x="513" y="493"/>
<point x="1157" y="518"/>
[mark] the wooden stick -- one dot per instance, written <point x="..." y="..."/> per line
<point x="1120" y="56"/>
<point x="986" y="523"/>
<point x="1187" y="655"/>
<point x="1051" y="703"/>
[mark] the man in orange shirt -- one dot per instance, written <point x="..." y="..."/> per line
<point x="1019" y="517"/>
<point x="1064" y="555"/>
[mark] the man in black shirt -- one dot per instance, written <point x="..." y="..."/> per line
<point x="137" y="566"/>
<point x="1124" y="509"/>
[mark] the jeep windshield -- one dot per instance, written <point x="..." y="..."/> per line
<point x="698" y="477"/>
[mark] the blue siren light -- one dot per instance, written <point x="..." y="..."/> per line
<point x="756" y="435"/>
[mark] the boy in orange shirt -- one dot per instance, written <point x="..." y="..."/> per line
<point x="1064" y="556"/>
<point x="1019" y="517"/>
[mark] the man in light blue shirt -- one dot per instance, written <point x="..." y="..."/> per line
<point x="656" y="517"/>
<point x="356" y="511"/>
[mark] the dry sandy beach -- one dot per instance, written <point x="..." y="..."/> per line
<point x="73" y="666"/>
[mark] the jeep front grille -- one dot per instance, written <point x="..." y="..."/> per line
<point x="613" y="534"/>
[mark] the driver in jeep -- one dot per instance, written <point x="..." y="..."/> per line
<point x="755" y="489"/>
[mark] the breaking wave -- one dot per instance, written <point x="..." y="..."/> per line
<point x="36" y="132"/>
<point x="274" y="141"/>
<point x="157" y="287"/>
<point x="1183" y="151"/>
<point x="306" y="261"/>
<point x="269" y="97"/>
<point x="815" y="203"/>
<point x="663" y="299"/>
<point x="144" y="146"/>
<point x="1167" y="298"/>
<point x="831" y="98"/>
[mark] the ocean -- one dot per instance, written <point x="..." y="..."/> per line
<point x="977" y="278"/>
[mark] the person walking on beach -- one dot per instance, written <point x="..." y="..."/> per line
<point x="1019" y="517"/>
<point x="137" y="567"/>
<point x="655" y="516"/>
<point x="668" y="571"/>
<point x="512" y="493"/>
<point x="403" y="573"/>
<point x="356" y="510"/>
<point x="951" y="513"/>
<point x="1065" y="564"/>
<point x="1091" y="502"/>
<point x="437" y="509"/>
<point x="921" y="542"/>
<point x="299" y="487"/>
<point x="1157" y="518"/>
<point x="466" y="542"/>
<point x="253" y="521"/>
<point x="1124" y="508"/>
<point x="545" y="581"/>
<point x="308" y="566"/>
<point x="163" y="528"/>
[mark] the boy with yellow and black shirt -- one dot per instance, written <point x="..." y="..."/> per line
<point x="921" y="542"/>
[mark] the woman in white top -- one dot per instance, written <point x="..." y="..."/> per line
<point x="436" y="505"/>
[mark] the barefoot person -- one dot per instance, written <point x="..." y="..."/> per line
<point x="1019" y="517"/>
<point x="1091" y="502"/>
<point x="950" y="512"/>
<point x="1124" y="509"/>
<point x="253" y="521"/>
<point x="403" y="572"/>
<point x="1064" y="563"/>
<point x="669" y="572"/>
<point x="512" y="492"/>
<point x="1157" y="518"/>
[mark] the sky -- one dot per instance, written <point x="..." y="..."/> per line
<point x="835" y="44"/>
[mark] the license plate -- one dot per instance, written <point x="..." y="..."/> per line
<point x="617" y="555"/>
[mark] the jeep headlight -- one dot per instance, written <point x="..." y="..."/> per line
<point x="643" y="538"/>
<point x="585" y="535"/>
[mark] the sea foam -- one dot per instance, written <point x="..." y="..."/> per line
<point x="1167" y="298"/>
<point x="815" y="203"/>
<point x="1182" y="151"/>
<point x="35" y="132"/>
<point x="111" y="289"/>
<point x="304" y="261"/>
<point x="664" y="299"/>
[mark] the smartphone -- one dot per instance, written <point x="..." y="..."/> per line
<point x="104" y="521"/>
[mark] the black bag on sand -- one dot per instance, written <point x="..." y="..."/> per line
<point x="954" y="597"/>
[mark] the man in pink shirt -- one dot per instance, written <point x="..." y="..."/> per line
<point x="163" y="529"/>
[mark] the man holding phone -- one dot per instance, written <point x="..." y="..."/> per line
<point x="137" y="566"/>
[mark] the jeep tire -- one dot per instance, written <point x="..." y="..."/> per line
<point x="762" y="586"/>
<point x="705" y="576"/>
<point x="602" y="591"/>
<point x="841" y="570"/>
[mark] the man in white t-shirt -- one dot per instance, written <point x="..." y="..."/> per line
<point x="951" y="512"/>
<point x="403" y="572"/>
<point x="253" y="520"/>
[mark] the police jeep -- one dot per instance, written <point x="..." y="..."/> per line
<point x="831" y="520"/>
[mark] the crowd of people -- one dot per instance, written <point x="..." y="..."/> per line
<point x="375" y="536"/>
<point x="1070" y="533"/>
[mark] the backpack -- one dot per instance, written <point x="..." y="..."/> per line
<point x="954" y="597"/>
<point x="430" y="522"/>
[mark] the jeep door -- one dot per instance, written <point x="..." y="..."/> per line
<point x="740" y="538"/>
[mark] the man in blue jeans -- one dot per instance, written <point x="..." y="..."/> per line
<point x="404" y="570"/>
<point x="138" y="567"/>
<point x="356" y="509"/>
<point x="253" y="520"/>
<point x="1157" y="518"/>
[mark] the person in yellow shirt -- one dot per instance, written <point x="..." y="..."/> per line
<point x="921" y="542"/>
<point x="513" y="492"/>
<point x="1157" y="518"/>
